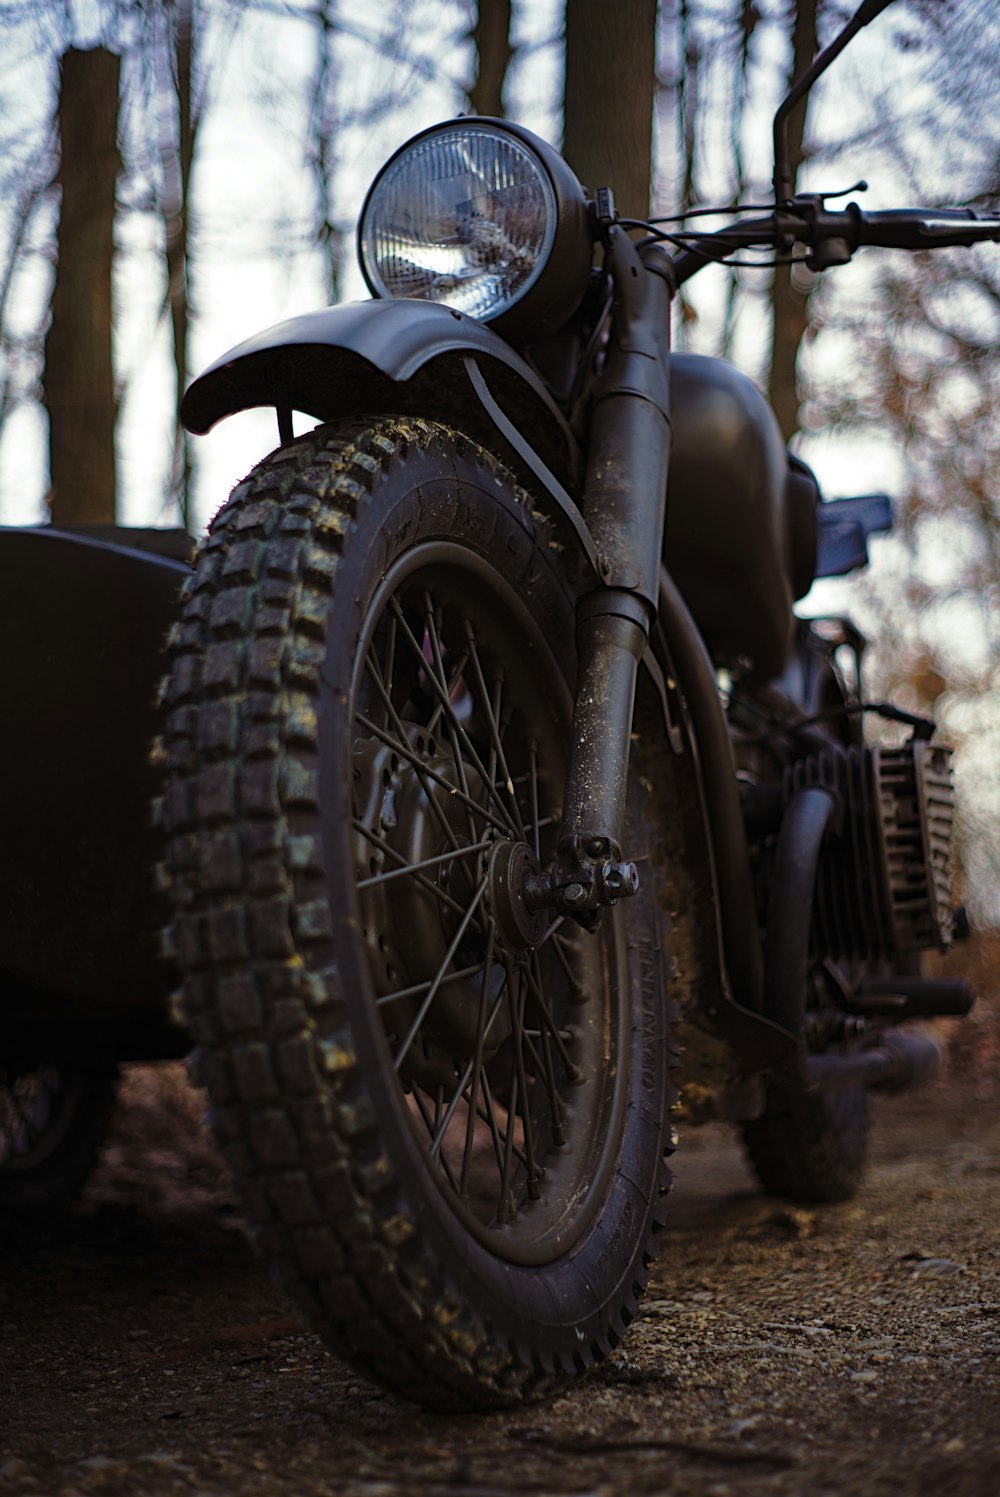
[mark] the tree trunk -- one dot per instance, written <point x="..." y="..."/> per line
<point x="791" y="307"/>
<point x="79" y="383"/>
<point x="491" y="35"/>
<point x="610" y="79"/>
<point x="177" y="237"/>
<point x="324" y="127"/>
<point x="172" y="47"/>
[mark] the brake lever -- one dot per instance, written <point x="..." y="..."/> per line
<point x="831" y="235"/>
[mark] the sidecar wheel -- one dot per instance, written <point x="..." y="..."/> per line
<point x="445" y="1113"/>
<point x="810" y="1147"/>
<point x="53" y="1121"/>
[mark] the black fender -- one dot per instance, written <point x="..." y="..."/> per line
<point x="420" y="358"/>
<point x="83" y="620"/>
<point x="681" y="749"/>
<point x="406" y="357"/>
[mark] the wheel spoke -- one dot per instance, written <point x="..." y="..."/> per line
<point x="507" y="1137"/>
<point x="452" y="719"/>
<point x="505" y="1150"/>
<point x="537" y="1056"/>
<point x="424" y="1009"/>
<point x="533" y="793"/>
<point x="443" y="857"/>
<point x="434" y="666"/>
<point x="456" y="676"/>
<point x="556" y="945"/>
<point x="401" y="746"/>
<point x="558" y="1133"/>
<point x="488" y="1115"/>
<point x="430" y="1126"/>
<point x="425" y="773"/>
<point x="420" y="988"/>
<point x="418" y="878"/>
<point x="390" y="663"/>
<point x="544" y="1064"/>
<point x="463" y="1092"/>
<point x="548" y="1023"/>
<point x="475" y="1074"/>
<point x="493" y="719"/>
<point x="430" y="623"/>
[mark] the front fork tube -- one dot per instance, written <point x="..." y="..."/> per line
<point x="590" y="869"/>
<point x="624" y="504"/>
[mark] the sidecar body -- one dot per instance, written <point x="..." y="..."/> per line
<point x="83" y="617"/>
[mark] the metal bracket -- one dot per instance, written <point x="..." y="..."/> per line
<point x="581" y="884"/>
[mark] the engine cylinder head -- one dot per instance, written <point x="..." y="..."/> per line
<point x="883" y="886"/>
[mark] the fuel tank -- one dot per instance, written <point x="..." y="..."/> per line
<point x="741" y="516"/>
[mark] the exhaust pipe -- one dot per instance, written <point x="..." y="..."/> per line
<point x="898" y="1063"/>
<point x="913" y="998"/>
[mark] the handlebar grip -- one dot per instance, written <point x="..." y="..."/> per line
<point x="925" y="228"/>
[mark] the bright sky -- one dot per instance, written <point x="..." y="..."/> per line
<point x="254" y="206"/>
<point x="400" y="65"/>
<point x="254" y="203"/>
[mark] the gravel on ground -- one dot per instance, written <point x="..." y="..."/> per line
<point x="837" y="1350"/>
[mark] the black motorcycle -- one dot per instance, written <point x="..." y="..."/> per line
<point x="511" y="815"/>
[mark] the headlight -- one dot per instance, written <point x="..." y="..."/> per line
<point x="484" y="217"/>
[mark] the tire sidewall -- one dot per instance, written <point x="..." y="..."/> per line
<point x="572" y="1307"/>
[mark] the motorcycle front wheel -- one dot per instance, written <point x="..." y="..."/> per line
<point x="446" y="1112"/>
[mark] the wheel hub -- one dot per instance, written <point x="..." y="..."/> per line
<point x="509" y="865"/>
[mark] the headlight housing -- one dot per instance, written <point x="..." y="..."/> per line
<point x="482" y="216"/>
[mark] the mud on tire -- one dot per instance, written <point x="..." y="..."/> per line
<point x="446" y="1119"/>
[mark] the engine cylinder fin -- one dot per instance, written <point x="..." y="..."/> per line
<point x="883" y="886"/>
<point x="917" y="812"/>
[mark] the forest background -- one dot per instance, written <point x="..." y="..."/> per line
<point x="177" y="174"/>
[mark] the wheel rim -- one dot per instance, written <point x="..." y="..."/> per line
<point x="37" y="1112"/>
<point x="504" y="1027"/>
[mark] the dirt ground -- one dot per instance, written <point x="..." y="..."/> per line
<point x="851" y="1349"/>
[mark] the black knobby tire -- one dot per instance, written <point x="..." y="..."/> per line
<point x="810" y="1147"/>
<point x="53" y="1121"/>
<point x="446" y="1114"/>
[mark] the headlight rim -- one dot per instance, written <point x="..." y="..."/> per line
<point x="555" y="290"/>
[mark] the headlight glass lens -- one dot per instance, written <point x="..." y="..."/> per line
<point x="465" y="216"/>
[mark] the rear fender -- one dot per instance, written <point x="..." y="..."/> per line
<point x="402" y="357"/>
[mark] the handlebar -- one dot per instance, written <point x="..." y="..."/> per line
<point x="925" y="228"/>
<point x="833" y="235"/>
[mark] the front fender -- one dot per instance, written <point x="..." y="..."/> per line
<point x="403" y="356"/>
